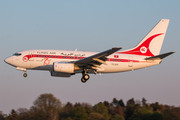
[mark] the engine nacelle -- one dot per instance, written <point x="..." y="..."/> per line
<point x="59" y="74"/>
<point x="63" y="67"/>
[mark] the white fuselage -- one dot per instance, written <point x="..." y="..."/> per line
<point x="63" y="63"/>
<point x="44" y="59"/>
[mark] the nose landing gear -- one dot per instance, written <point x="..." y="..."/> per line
<point x="25" y="74"/>
<point x="22" y="69"/>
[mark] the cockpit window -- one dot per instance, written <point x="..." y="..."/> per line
<point x="16" y="54"/>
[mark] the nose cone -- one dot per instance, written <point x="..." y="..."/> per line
<point x="8" y="60"/>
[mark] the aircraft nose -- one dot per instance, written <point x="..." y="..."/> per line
<point x="7" y="60"/>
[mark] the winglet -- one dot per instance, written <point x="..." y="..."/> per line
<point x="159" y="57"/>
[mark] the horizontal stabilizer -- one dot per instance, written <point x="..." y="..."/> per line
<point x="159" y="57"/>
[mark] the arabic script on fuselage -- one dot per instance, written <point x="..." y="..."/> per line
<point x="72" y="54"/>
<point x="63" y="54"/>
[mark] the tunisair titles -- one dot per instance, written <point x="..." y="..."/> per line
<point x="64" y="54"/>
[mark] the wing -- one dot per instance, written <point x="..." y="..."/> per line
<point x="94" y="61"/>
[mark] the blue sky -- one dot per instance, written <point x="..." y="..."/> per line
<point x="87" y="26"/>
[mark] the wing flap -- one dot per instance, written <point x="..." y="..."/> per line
<point x="99" y="60"/>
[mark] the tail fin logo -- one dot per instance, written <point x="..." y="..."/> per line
<point x="143" y="49"/>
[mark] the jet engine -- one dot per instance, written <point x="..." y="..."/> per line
<point x="63" y="67"/>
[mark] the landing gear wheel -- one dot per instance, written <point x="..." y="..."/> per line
<point x="86" y="77"/>
<point x="25" y="74"/>
<point x="83" y="80"/>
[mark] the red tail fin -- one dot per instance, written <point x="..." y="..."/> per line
<point x="143" y="49"/>
<point x="152" y="42"/>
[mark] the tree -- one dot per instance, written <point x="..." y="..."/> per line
<point x="140" y="114"/>
<point x="119" y="111"/>
<point x="101" y="109"/>
<point x="23" y="114"/>
<point x="65" y="113"/>
<point x="1" y="116"/>
<point x="78" y="113"/>
<point x="130" y="107"/>
<point x="13" y="115"/>
<point x="121" y="103"/>
<point x="116" y="111"/>
<point x="106" y="103"/>
<point x="155" y="116"/>
<point x="87" y="107"/>
<point x="155" y="106"/>
<point x="77" y="105"/>
<point x="47" y="107"/>
<point x="144" y="101"/>
<point x="172" y="114"/>
<point x="95" y="116"/>
<point x="131" y="102"/>
<point x="137" y="104"/>
<point x="37" y="114"/>
<point x="117" y="117"/>
<point x="115" y="102"/>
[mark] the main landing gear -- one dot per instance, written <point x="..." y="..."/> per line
<point x="85" y="76"/>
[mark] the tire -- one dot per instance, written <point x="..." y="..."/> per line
<point x="25" y="74"/>
<point x="83" y="80"/>
<point x="86" y="77"/>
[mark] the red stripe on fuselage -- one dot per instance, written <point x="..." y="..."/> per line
<point x="75" y="58"/>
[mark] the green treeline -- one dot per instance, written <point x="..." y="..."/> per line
<point x="48" y="107"/>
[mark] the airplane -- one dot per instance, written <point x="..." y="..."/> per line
<point x="62" y="63"/>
